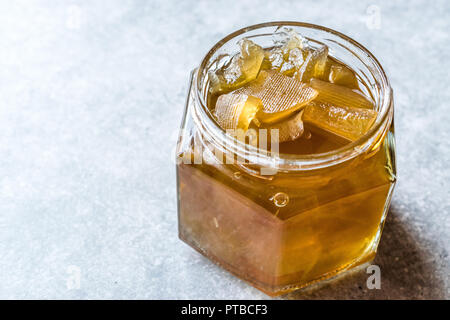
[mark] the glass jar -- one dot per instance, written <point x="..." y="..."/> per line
<point x="280" y="221"/>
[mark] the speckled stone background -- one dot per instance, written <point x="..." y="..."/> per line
<point x="91" y="97"/>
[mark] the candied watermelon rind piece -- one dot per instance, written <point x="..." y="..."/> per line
<point x="343" y="76"/>
<point x="236" y="111"/>
<point x="289" y="129"/>
<point x="339" y="95"/>
<point x="314" y="65"/>
<point x="243" y="68"/>
<point x="288" y="56"/>
<point x="345" y="122"/>
<point x="281" y="95"/>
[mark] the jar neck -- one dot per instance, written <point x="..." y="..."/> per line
<point x="376" y="81"/>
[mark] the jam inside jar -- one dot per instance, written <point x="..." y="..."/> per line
<point x="311" y="205"/>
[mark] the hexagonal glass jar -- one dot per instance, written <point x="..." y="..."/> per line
<point x="278" y="221"/>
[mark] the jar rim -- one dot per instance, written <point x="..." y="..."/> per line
<point x="303" y="161"/>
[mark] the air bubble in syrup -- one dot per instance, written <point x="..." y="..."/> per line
<point x="280" y="199"/>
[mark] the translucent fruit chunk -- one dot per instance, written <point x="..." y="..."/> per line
<point x="236" y="111"/>
<point x="314" y="65"/>
<point x="345" y="122"/>
<point x="273" y="59"/>
<point x="243" y="67"/>
<point x="343" y="76"/>
<point x="286" y="63"/>
<point x="339" y="96"/>
<point x="281" y="96"/>
<point x="288" y="56"/>
<point x="289" y="129"/>
<point x="293" y="62"/>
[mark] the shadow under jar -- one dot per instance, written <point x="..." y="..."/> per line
<point x="284" y="221"/>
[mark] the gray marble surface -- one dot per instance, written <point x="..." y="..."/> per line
<point x="91" y="97"/>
